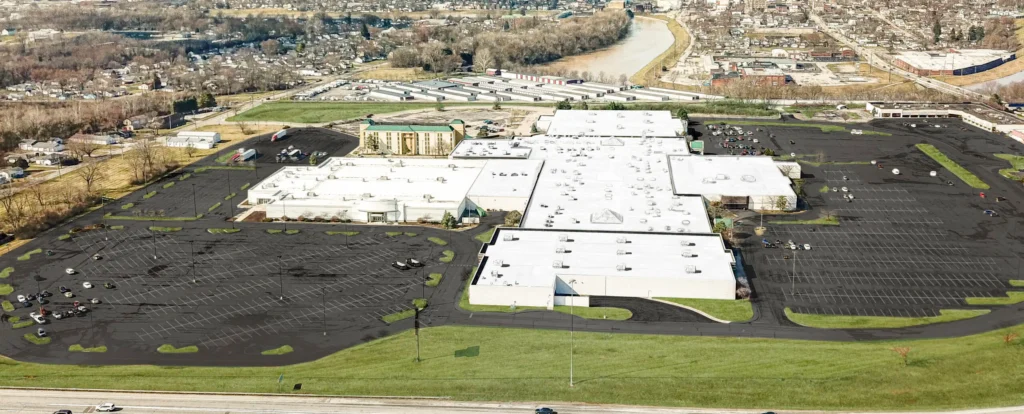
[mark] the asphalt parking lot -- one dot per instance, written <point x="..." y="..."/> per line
<point x="907" y="244"/>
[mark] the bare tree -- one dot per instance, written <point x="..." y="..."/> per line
<point x="13" y="208"/>
<point x="89" y="172"/>
<point x="1009" y="338"/>
<point x="245" y="128"/>
<point x="81" y="149"/>
<point x="190" y="150"/>
<point x="36" y="191"/>
<point x="902" y="351"/>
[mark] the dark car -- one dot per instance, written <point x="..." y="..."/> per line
<point x="63" y="289"/>
<point x="414" y="263"/>
<point x="108" y="285"/>
<point x="26" y="304"/>
<point x="62" y="412"/>
<point x="45" y="294"/>
<point x="400" y="266"/>
<point x="545" y="410"/>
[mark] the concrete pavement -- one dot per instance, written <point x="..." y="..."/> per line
<point x="26" y="401"/>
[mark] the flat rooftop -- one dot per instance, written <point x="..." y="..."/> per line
<point x="981" y="111"/>
<point x="610" y="184"/>
<point x="527" y="258"/>
<point x="490" y="149"/>
<point x="728" y="175"/>
<point x="417" y="182"/>
<point x="579" y="123"/>
<point x="954" y="59"/>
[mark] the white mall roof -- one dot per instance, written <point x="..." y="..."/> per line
<point x="490" y="148"/>
<point x="417" y="182"/>
<point x="728" y="175"/>
<point x="576" y="123"/>
<point x="956" y="59"/>
<point x="610" y="184"/>
<point x="526" y="257"/>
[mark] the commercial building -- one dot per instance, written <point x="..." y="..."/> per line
<point x="629" y="124"/>
<point x="410" y="139"/>
<point x="540" y="267"/>
<point x="981" y="116"/>
<point x="379" y="190"/>
<point x="954" y="62"/>
<point x="194" y="139"/>
<point x="738" y="182"/>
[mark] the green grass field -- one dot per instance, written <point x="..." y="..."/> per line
<point x="728" y="310"/>
<point x="866" y="322"/>
<point x="823" y="221"/>
<point x="1016" y="164"/>
<point x="503" y="364"/>
<point x="316" y="112"/>
<point x="36" y="340"/>
<point x="434" y="279"/>
<point x="28" y="255"/>
<point x="6" y="272"/>
<point x="170" y="349"/>
<point x="447" y="257"/>
<point x="341" y="233"/>
<point x="485" y="237"/>
<point x="961" y="172"/>
<point x="286" y="349"/>
<point x="80" y="348"/>
<point x="1011" y="298"/>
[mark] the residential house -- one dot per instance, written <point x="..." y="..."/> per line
<point x="52" y="146"/>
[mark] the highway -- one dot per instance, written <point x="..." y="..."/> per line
<point x="29" y="401"/>
<point x="882" y="64"/>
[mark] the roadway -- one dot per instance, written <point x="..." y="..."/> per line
<point x="882" y="64"/>
<point x="22" y="401"/>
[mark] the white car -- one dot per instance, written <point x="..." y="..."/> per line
<point x="106" y="408"/>
<point x="69" y="271"/>
<point x="807" y="247"/>
<point x="22" y="298"/>
<point x="87" y="285"/>
<point x="37" y="317"/>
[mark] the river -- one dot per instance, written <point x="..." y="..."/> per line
<point x="984" y="87"/>
<point x="647" y="39"/>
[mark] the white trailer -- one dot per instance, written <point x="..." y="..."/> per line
<point x="519" y="96"/>
<point x="390" y="96"/>
<point x="407" y="87"/>
<point x="595" y="88"/>
<point x="450" y="96"/>
<point x="619" y="97"/>
<point x="497" y="87"/>
<point x="427" y="96"/>
<point x="645" y="96"/>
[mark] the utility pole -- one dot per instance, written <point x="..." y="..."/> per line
<point x="323" y="302"/>
<point x="572" y="339"/>
<point x="416" y="328"/>
<point x="192" y="250"/>
<point x="231" y="200"/>
<point x="195" y="207"/>
<point x="152" y="232"/>
<point x="280" y="277"/>
<point x="792" y="280"/>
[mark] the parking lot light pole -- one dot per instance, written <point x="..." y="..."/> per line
<point x="192" y="250"/>
<point x="195" y="207"/>
<point x="231" y="207"/>
<point x="280" y="277"/>
<point x="792" y="280"/>
<point x="572" y="339"/>
<point x="323" y="302"/>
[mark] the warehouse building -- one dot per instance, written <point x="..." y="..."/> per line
<point x="545" y="267"/>
<point x="978" y="115"/>
<point x="410" y="139"/>
<point x="194" y="139"/>
<point x="953" y="62"/>
<point x="619" y="124"/>
<point x="385" y="190"/>
<point x="747" y="182"/>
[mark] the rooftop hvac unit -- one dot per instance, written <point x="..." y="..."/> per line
<point x="495" y="274"/>
<point x="621" y="252"/>
<point x="691" y="269"/>
<point x="721" y="177"/>
<point x="563" y="238"/>
<point x="310" y="194"/>
<point x="620" y="240"/>
<point x="687" y="243"/>
<point x="687" y="253"/>
<point x="440" y="179"/>
<point x="508" y="237"/>
<point x="499" y="263"/>
<point x="620" y="267"/>
<point x="560" y="249"/>
<point x="383" y="178"/>
<point x="557" y="264"/>
<point x="367" y="195"/>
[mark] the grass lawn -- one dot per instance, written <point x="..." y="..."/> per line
<point x="169" y="184"/>
<point x="127" y="206"/>
<point x="6" y="272"/>
<point x="164" y="229"/>
<point x="170" y="349"/>
<point x="823" y="189"/>
<point x="434" y="279"/>
<point x="728" y="310"/>
<point x="18" y="324"/>
<point x="823" y="221"/>
<point x="393" y="233"/>
<point x="438" y="241"/>
<point x="28" y="255"/>
<point x="485" y="237"/>
<point x="7" y="306"/>
<point x="292" y="231"/>
<point x="870" y="322"/>
<point x="223" y="231"/>
<point x="488" y="364"/>
<point x="213" y="207"/>
<point x="79" y="348"/>
<point x="448" y="256"/>
<point x="274" y="231"/>
<point x="1011" y="298"/>
<point x="287" y="349"/>
<point x="1016" y="164"/>
<point x="419" y="303"/>
<point x="397" y="316"/>
<point x="6" y="289"/>
<point x="409" y="234"/>
<point x="149" y="195"/>
<point x="64" y="237"/>
<point x="316" y="112"/>
<point x="225" y="158"/>
<point x="36" y="340"/>
<point x="961" y="172"/>
<point x="1016" y="283"/>
<point x="341" y="233"/>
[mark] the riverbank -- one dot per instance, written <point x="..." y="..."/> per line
<point x="650" y="74"/>
<point x="648" y="38"/>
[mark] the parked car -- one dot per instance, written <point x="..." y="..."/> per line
<point x="400" y="266"/>
<point x="414" y="263"/>
<point x="94" y="301"/>
<point x="58" y="315"/>
<point x="38" y="318"/>
<point x="545" y="410"/>
<point x="68" y="294"/>
<point x="62" y="412"/>
<point x="69" y="271"/>
<point x="63" y="289"/>
<point x="87" y="285"/>
<point x="106" y="408"/>
<point x="96" y="257"/>
<point x="45" y="294"/>
<point x="41" y="332"/>
<point x="22" y="298"/>
<point x="108" y="285"/>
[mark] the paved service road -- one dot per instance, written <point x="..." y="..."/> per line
<point x="44" y="401"/>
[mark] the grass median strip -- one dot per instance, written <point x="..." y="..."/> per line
<point x="1011" y="298"/>
<point x="1016" y="165"/>
<point x="341" y="233"/>
<point x="146" y="218"/>
<point x="392" y="233"/>
<point x="185" y="176"/>
<point x="64" y="237"/>
<point x="149" y="195"/>
<point x="127" y="206"/>
<point x="879" y="322"/>
<point x="117" y="227"/>
<point x="80" y="348"/>
<point x="420" y="303"/>
<point x="728" y="310"/>
<point x="223" y="231"/>
<point x="6" y="273"/>
<point x="245" y="186"/>
<point x="164" y="229"/>
<point x="22" y="324"/>
<point x="966" y="176"/>
<point x="438" y="241"/>
<point x="286" y="349"/>
<point x="397" y="316"/>
<point x="434" y="279"/>
<point x="447" y="257"/>
<point x="170" y="349"/>
<point x="36" y="340"/>
<point x="222" y="167"/>
<point x="1014" y="283"/>
<point x="823" y="221"/>
<point x="7" y="306"/>
<point x="168" y="184"/>
<point x="485" y="237"/>
<point x="28" y="255"/>
<point x="213" y="207"/>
